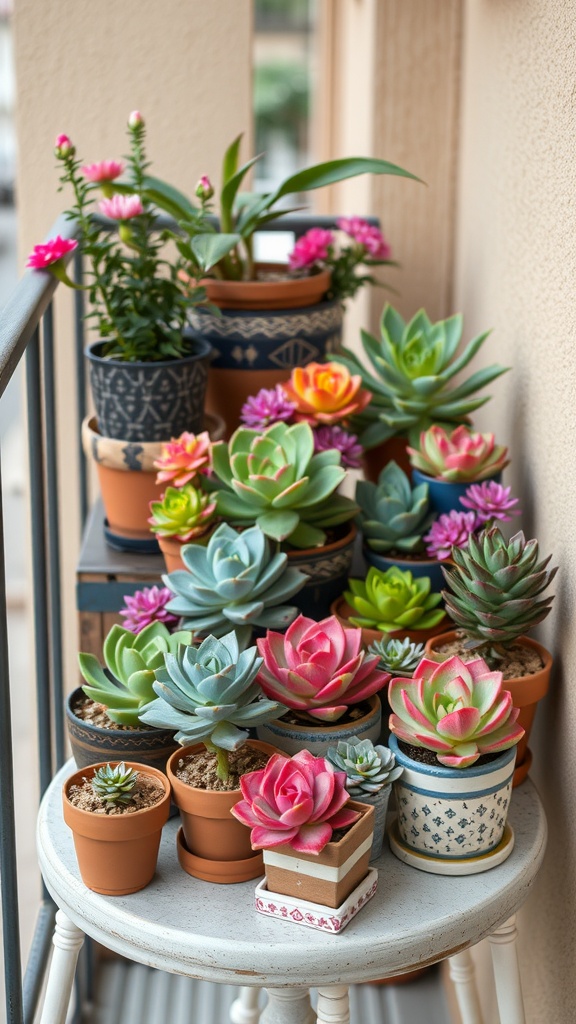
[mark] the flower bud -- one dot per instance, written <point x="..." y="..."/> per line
<point x="63" y="147"/>
<point x="204" y="189"/>
<point x="135" y="119"/>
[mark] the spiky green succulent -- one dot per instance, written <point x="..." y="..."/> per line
<point x="495" y="590"/>
<point x="274" y="479"/>
<point x="413" y="365"/>
<point x="184" y="512"/>
<point x="368" y="768"/>
<point x="131" y="660"/>
<point x="393" y="600"/>
<point x="114" y="785"/>
<point x="398" y="657"/>
<point x="393" y="515"/>
<point x="236" y="580"/>
<point x="209" y="694"/>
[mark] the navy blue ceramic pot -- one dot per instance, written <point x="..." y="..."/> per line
<point x="445" y="496"/>
<point x="417" y="566"/>
<point x="328" y="569"/>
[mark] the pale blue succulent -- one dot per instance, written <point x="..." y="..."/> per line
<point x="236" y="581"/>
<point x="368" y="768"/>
<point x="398" y="657"/>
<point x="209" y="694"/>
<point x="393" y="515"/>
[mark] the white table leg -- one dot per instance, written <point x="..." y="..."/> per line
<point x="288" y="1006"/>
<point x="244" y="1010"/>
<point x="68" y="940"/>
<point x="462" y="974"/>
<point x="507" y="973"/>
<point x="333" y="1005"/>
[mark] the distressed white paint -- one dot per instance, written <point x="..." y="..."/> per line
<point x="288" y="1006"/>
<point x="463" y="975"/>
<point x="68" y="941"/>
<point x="507" y="973"/>
<point x="333" y="1005"/>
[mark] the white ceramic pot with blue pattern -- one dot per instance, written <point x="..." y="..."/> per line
<point x="452" y="813"/>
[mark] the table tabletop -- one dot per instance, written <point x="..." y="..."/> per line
<point x="185" y="926"/>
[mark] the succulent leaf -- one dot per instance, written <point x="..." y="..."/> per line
<point x="393" y="516"/>
<point x="114" y="785"/>
<point x="393" y="600"/>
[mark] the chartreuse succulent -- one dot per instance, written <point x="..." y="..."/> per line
<point x="234" y="581"/>
<point x="114" y="785"/>
<point x="274" y="479"/>
<point x="209" y="694"/>
<point x="496" y="587"/>
<point x="393" y="515"/>
<point x="183" y="512"/>
<point x="131" y="660"/>
<point x="368" y="768"/>
<point x="393" y="600"/>
<point x="457" y="709"/>
<point x="398" y="657"/>
<point x="413" y="366"/>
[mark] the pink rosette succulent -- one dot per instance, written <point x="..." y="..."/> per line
<point x="105" y="170"/>
<point x="490" y="500"/>
<point x="294" y="801"/>
<point x="182" y="458"/>
<point x="458" y="457"/>
<point x="319" y="668"/>
<point x="270" y="405"/>
<point x="313" y="247"/>
<point x="367" y="235"/>
<point x="146" y="606"/>
<point x="451" y="529"/>
<point x="120" y="207"/>
<point x="458" y="709"/>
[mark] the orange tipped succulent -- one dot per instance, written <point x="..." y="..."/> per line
<point x="326" y="392"/>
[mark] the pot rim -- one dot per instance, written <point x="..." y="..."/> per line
<point x="369" y="552"/>
<point x="426" y="478"/>
<point x="139" y="767"/>
<point x="441" y="771"/>
<point x="194" y="748"/>
<point x="373" y="701"/>
<point x="324" y="549"/>
<point x="254" y="285"/>
<point x="525" y="641"/>
<point x="205" y="352"/>
<point x="150" y="730"/>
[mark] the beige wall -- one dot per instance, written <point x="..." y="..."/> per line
<point x="516" y="266"/>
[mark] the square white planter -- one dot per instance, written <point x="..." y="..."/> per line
<point x="315" y="915"/>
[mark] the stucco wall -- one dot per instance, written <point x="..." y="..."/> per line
<point x="516" y="266"/>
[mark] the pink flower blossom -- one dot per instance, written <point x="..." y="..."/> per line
<point x="204" y="189"/>
<point x="452" y="529"/>
<point x="63" y="146"/>
<point x="135" y="119"/>
<point x="367" y="235"/>
<point x="311" y="248"/>
<point x="146" y="606"/>
<point x="347" y="444"/>
<point x="106" y="170"/>
<point x="182" y="458"/>
<point x="270" y="405"/>
<point x="490" y="500"/>
<point x="120" y="207"/>
<point x="45" y="255"/>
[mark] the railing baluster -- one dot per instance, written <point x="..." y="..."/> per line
<point x="80" y="382"/>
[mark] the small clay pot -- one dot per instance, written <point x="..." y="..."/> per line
<point x="343" y="611"/>
<point x="171" y="548"/>
<point x="285" y="293"/>
<point x="318" y="736"/>
<point x="328" y="568"/>
<point x="214" y="846"/>
<point x="526" y="692"/>
<point x="116" y="853"/>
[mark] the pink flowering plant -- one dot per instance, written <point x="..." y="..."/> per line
<point x="146" y="606"/>
<point x="137" y="302"/>
<point x="486" y="503"/>
<point x="294" y="801"/>
<point x="356" y="245"/>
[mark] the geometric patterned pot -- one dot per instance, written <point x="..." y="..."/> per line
<point x="327" y="568"/>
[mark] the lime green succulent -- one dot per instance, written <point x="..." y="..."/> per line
<point x="273" y="478"/>
<point x="393" y="600"/>
<point x="184" y="512"/>
<point x="413" y="366"/>
<point x="114" y="785"/>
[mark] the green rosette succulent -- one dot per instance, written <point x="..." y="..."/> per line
<point x="236" y="580"/>
<point x="274" y="479"/>
<point x="393" y="515"/>
<point x="130" y="660"/>
<point x="368" y="768"/>
<point x="114" y="785"/>
<point x="184" y="512"/>
<point x="209" y="694"/>
<point x="413" y="365"/>
<point x="393" y="600"/>
<point x="398" y="657"/>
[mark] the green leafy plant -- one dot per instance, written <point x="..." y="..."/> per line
<point x="412" y="367"/>
<point x="114" y="785"/>
<point x="131" y="660"/>
<point x="398" y="657"/>
<point x="368" y="768"/>
<point x="183" y="512"/>
<point x="393" y="515"/>
<point x="393" y="600"/>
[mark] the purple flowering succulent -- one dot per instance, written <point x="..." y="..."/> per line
<point x="269" y="406"/>
<point x="490" y="500"/>
<point x="146" y="606"/>
<point x="450" y="530"/>
<point x="347" y="444"/>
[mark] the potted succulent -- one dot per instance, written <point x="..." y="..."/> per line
<point x="237" y="581"/>
<point x="495" y="596"/>
<point x="412" y="366"/>
<point x="274" y="478"/>
<point x="455" y="733"/>
<point x="116" y="813"/>
<point x="292" y="807"/>
<point x="370" y="772"/>
<point x="102" y="716"/>
<point x="319" y="671"/>
<point x="397" y="657"/>
<point x="209" y="694"/>
<point x="391" y="602"/>
<point x="182" y="515"/>
<point x="450" y="462"/>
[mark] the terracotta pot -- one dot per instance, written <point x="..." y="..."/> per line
<point x="314" y="877"/>
<point x="214" y="845"/>
<point x="526" y="692"/>
<point x="171" y="548"/>
<point x="328" y="569"/>
<point x="285" y="293"/>
<point x="445" y="496"/>
<point x="374" y="459"/>
<point x="421" y="566"/>
<point x="117" y="853"/>
<point x="343" y="611"/>
<point x="317" y="737"/>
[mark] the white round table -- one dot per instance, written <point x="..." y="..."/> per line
<point x="212" y="932"/>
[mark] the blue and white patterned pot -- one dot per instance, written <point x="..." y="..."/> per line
<point x="443" y="495"/>
<point x="449" y="813"/>
<point x="317" y="738"/>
